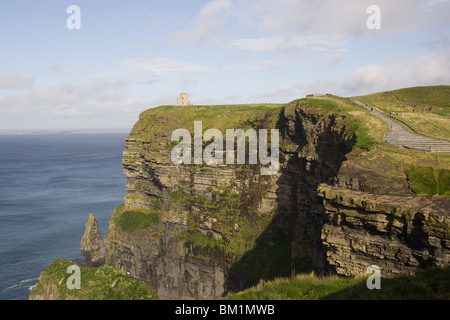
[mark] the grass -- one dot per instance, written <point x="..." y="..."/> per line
<point x="432" y="124"/>
<point x="429" y="284"/>
<point x="390" y="161"/>
<point x="412" y="106"/>
<point x="134" y="220"/>
<point x="102" y="283"/>
<point x="201" y="240"/>
<point x="429" y="95"/>
<point x="428" y="181"/>
<point x="165" y="119"/>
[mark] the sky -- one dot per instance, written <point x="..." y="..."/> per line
<point x="129" y="56"/>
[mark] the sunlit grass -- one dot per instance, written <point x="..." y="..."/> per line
<point x="429" y="284"/>
<point x="102" y="283"/>
<point x="425" y="109"/>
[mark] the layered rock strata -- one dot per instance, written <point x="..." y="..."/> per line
<point x="398" y="234"/>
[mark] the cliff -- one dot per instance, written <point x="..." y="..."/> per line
<point x="340" y="201"/>
<point x="198" y="231"/>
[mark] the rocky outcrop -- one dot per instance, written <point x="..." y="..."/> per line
<point x="64" y="280"/>
<point x="92" y="246"/>
<point x="158" y="258"/>
<point x="398" y="234"/>
<point x="49" y="291"/>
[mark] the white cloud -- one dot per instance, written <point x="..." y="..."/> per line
<point x="67" y="100"/>
<point x="13" y="82"/>
<point x="259" y="65"/>
<point x="332" y="17"/>
<point x="211" y="17"/>
<point x="294" y="30"/>
<point x="292" y="42"/>
<point x="301" y="18"/>
<point x="161" y="66"/>
<point x="433" y="69"/>
<point x="55" y="68"/>
<point x="434" y="3"/>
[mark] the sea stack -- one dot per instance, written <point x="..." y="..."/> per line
<point x="92" y="246"/>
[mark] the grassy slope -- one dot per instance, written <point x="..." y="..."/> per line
<point x="410" y="102"/>
<point x="135" y="220"/>
<point x="430" y="284"/>
<point x="428" y="174"/>
<point x="102" y="283"/>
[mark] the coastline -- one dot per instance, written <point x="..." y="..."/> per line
<point x="62" y="131"/>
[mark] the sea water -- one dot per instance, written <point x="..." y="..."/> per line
<point x="49" y="184"/>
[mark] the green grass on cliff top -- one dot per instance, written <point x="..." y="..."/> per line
<point x="412" y="107"/>
<point x="433" y="284"/>
<point x="165" y="119"/>
<point x="102" y="283"/>
<point x="134" y="220"/>
<point x="429" y="95"/>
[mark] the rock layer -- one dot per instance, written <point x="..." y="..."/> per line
<point x="399" y="234"/>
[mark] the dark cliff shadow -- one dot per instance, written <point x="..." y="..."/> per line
<point x="291" y="243"/>
<point x="417" y="240"/>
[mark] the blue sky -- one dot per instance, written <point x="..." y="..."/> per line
<point x="129" y="56"/>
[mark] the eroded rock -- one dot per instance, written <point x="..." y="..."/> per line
<point x="92" y="246"/>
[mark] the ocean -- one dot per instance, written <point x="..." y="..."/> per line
<point x="49" y="184"/>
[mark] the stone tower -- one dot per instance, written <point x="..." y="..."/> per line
<point x="183" y="100"/>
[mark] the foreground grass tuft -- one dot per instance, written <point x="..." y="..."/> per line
<point x="428" y="181"/>
<point x="431" y="284"/>
<point x="102" y="283"/>
<point x="135" y="220"/>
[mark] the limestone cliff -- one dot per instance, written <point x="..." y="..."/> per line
<point x="197" y="231"/>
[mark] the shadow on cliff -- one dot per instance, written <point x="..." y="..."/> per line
<point x="291" y="243"/>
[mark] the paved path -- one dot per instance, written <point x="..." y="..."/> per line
<point x="400" y="137"/>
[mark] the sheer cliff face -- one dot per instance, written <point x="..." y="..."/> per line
<point x="198" y="231"/>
